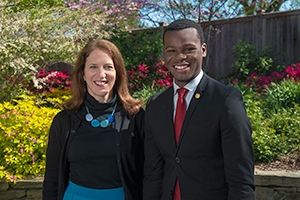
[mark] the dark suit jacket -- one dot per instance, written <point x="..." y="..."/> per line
<point x="214" y="157"/>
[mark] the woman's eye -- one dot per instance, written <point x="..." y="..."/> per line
<point x="93" y="66"/>
<point x="109" y="67"/>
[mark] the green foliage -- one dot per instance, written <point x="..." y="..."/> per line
<point x="19" y="5"/>
<point x="274" y="118"/>
<point x="282" y="95"/>
<point x="277" y="135"/>
<point x="258" y="7"/>
<point x="155" y="76"/>
<point x="24" y="127"/>
<point x="35" y="38"/>
<point x="139" y="47"/>
<point x="146" y="92"/>
<point x="53" y="99"/>
<point x="248" y="61"/>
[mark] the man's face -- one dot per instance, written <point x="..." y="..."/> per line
<point x="183" y="54"/>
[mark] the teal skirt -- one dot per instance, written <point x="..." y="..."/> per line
<point x="76" y="192"/>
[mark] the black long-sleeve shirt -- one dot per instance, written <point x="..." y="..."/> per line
<point x="129" y="153"/>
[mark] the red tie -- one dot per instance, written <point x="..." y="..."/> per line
<point x="179" y="117"/>
<point x="180" y="112"/>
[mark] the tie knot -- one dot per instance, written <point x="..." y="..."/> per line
<point x="181" y="92"/>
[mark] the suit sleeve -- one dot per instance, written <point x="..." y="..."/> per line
<point x="236" y="137"/>
<point x="154" y="163"/>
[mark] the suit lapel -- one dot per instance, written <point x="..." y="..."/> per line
<point x="168" y="111"/>
<point x="197" y="96"/>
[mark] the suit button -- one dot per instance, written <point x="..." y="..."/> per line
<point x="177" y="160"/>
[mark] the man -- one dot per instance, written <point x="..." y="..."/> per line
<point x="211" y="156"/>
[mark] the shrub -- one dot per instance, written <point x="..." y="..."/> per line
<point x="45" y="81"/>
<point x="24" y="127"/>
<point x="281" y="96"/>
<point x="139" y="48"/>
<point x="277" y="135"/>
<point x="146" y="92"/>
<point x="248" y="61"/>
<point x="32" y="39"/>
<point x="53" y="99"/>
<point x="274" y="115"/>
<point x="156" y="76"/>
<point x="260" y="83"/>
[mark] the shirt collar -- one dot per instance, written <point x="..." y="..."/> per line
<point x="191" y="86"/>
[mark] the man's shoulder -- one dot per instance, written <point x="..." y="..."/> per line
<point x="220" y="85"/>
<point x="159" y="99"/>
<point x="162" y="96"/>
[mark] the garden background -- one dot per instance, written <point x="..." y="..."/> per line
<point x="40" y="44"/>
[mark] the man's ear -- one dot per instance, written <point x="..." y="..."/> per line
<point x="203" y="49"/>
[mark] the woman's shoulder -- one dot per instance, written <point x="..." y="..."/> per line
<point x="61" y="118"/>
<point x="61" y="115"/>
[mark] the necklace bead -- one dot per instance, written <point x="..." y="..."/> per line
<point x="96" y="122"/>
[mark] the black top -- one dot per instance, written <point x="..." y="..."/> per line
<point x="129" y="143"/>
<point x="92" y="154"/>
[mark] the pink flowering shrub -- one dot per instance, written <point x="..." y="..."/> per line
<point x="156" y="76"/>
<point x="45" y="81"/>
<point x="24" y="127"/>
<point x="291" y="72"/>
<point x="273" y="105"/>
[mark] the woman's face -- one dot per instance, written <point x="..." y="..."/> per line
<point x="100" y="75"/>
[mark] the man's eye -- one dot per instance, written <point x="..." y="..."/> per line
<point x="171" y="51"/>
<point x="189" y="50"/>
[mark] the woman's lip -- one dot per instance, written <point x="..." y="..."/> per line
<point x="100" y="83"/>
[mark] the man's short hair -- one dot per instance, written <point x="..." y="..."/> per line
<point x="183" y="24"/>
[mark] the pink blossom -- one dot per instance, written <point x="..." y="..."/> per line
<point x="278" y="76"/>
<point x="143" y="68"/>
<point x="4" y="116"/>
<point x="13" y="177"/>
<point x="235" y="81"/>
<point x="33" y="159"/>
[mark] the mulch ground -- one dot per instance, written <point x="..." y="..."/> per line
<point x="289" y="163"/>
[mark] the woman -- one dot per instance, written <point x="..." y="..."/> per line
<point x="95" y="147"/>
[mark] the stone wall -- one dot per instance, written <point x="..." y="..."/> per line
<point x="277" y="185"/>
<point x="23" y="189"/>
<point x="270" y="185"/>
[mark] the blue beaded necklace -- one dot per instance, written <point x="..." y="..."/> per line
<point x="97" y="122"/>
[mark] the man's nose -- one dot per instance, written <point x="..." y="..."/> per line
<point x="181" y="56"/>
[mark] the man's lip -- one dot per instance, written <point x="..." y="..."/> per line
<point x="180" y="67"/>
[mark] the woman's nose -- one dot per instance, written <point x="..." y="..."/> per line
<point x="102" y="73"/>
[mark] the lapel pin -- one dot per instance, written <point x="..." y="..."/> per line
<point x="197" y="95"/>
